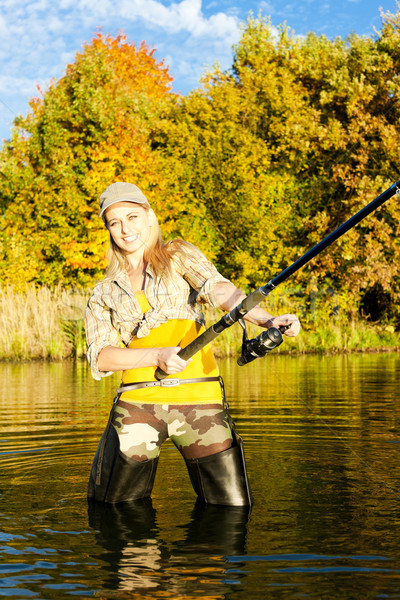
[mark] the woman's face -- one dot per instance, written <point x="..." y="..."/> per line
<point x="129" y="226"/>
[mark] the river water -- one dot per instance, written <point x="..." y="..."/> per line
<point x="322" y="445"/>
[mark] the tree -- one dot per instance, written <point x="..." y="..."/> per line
<point x="329" y="111"/>
<point x="296" y="138"/>
<point x="255" y="166"/>
<point x="88" y="129"/>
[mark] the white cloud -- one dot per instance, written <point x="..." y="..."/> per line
<point x="267" y="8"/>
<point x="38" y="38"/>
<point x="3" y="26"/>
<point x="186" y="16"/>
<point x="13" y="83"/>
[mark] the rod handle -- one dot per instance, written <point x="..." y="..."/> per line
<point x="160" y="374"/>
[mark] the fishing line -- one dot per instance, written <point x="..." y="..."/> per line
<point x="8" y="107"/>
<point x="334" y="433"/>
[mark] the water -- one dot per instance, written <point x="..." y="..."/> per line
<point x="322" y="444"/>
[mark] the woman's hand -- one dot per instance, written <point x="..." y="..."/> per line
<point x="169" y="361"/>
<point x="229" y="296"/>
<point x="282" y="320"/>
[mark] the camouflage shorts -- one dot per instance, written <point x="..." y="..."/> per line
<point x="196" y="430"/>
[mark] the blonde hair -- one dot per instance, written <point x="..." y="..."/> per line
<point x="158" y="253"/>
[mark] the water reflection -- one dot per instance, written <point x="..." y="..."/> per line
<point x="139" y="558"/>
<point x="322" y="444"/>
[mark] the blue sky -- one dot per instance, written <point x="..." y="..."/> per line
<point x="39" y="37"/>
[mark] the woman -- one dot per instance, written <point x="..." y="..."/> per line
<point x="138" y="318"/>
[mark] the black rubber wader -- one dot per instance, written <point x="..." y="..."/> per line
<point x="222" y="478"/>
<point x="219" y="479"/>
<point x="115" y="477"/>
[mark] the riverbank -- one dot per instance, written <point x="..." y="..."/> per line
<point x="336" y="336"/>
<point x="47" y="323"/>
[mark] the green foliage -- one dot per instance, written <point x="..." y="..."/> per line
<point x="220" y="165"/>
<point x="300" y="136"/>
<point x="87" y="129"/>
<point x="254" y="167"/>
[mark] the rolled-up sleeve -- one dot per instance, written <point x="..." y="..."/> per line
<point x="201" y="275"/>
<point x="99" y="333"/>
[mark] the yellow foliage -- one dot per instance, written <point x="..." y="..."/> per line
<point x="254" y="167"/>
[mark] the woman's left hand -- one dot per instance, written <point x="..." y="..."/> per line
<point x="284" y="320"/>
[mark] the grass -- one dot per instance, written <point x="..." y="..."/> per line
<point x="357" y="335"/>
<point x="47" y="323"/>
<point x="349" y="336"/>
<point x="41" y="323"/>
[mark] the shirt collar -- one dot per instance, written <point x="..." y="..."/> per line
<point x="122" y="278"/>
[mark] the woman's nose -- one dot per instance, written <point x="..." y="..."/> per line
<point x="125" y="226"/>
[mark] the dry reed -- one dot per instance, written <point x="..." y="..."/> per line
<point x="47" y="323"/>
<point x="39" y="323"/>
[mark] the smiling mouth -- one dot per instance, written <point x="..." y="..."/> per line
<point x="130" y="238"/>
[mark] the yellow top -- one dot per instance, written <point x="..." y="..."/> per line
<point x="175" y="332"/>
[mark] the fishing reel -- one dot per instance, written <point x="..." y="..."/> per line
<point x="261" y="345"/>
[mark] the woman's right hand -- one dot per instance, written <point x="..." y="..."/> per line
<point x="169" y="361"/>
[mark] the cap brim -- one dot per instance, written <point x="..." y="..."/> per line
<point x="110" y="202"/>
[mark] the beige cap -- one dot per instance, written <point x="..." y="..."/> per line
<point x="121" y="192"/>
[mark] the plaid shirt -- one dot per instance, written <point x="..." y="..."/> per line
<point x="113" y="314"/>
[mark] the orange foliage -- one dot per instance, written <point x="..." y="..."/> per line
<point x="88" y="129"/>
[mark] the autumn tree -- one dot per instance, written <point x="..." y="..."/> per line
<point x="86" y="130"/>
<point x="255" y="166"/>
<point x="223" y="171"/>
<point x="329" y="112"/>
<point x="296" y="138"/>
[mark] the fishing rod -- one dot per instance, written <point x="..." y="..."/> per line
<point x="272" y="337"/>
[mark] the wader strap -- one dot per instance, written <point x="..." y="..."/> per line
<point x="173" y="382"/>
<point x="104" y="439"/>
<point x="226" y="405"/>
